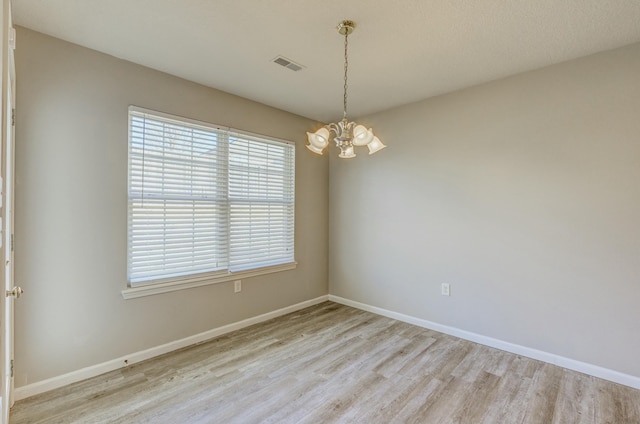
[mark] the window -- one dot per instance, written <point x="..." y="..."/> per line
<point x="205" y="202"/>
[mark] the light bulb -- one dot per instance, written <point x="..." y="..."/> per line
<point x="347" y="153"/>
<point x="362" y="136"/>
<point x="318" y="140"/>
<point x="375" y="145"/>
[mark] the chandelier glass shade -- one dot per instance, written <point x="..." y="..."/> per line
<point x="347" y="135"/>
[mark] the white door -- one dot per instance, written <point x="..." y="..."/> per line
<point x="8" y="292"/>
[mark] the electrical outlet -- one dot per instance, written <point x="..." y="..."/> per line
<point x="446" y="290"/>
<point x="237" y="286"/>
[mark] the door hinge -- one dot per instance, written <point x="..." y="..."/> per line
<point x="12" y="242"/>
<point x="13" y="117"/>
<point x="12" y="368"/>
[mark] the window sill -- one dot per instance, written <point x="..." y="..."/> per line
<point x="188" y="283"/>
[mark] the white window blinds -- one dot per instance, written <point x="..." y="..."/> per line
<point x="204" y="200"/>
<point x="261" y="206"/>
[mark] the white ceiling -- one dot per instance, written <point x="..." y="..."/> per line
<point x="402" y="51"/>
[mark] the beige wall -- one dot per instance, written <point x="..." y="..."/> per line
<point x="71" y="211"/>
<point x="523" y="194"/>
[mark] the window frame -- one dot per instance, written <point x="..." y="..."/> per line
<point x="163" y="284"/>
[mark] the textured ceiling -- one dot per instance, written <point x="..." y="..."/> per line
<point x="402" y="51"/>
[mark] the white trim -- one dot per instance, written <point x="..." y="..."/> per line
<point x="572" y="364"/>
<point x="177" y="118"/>
<point x="191" y="282"/>
<point x="114" y="364"/>
<point x="180" y="119"/>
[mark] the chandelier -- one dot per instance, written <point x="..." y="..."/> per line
<point x="347" y="134"/>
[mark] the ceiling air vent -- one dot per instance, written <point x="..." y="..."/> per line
<point x="283" y="61"/>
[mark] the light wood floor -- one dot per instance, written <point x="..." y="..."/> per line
<point x="332" y="363"/>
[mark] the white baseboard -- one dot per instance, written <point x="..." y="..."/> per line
<point x="114" y="364"/>
<point x="572" y="364"/>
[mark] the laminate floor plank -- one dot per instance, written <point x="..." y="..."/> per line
<point x="405" y="391"/>
<point x="510" y="401"/>
<point x="334" y="364"/>
<point x="409" y="352"/>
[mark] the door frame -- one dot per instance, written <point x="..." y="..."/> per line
<point x="7" y="95"/>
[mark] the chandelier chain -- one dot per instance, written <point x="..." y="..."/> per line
<point x="346" y="66"/>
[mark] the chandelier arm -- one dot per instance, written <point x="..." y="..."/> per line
<point x="333" y="127"/>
